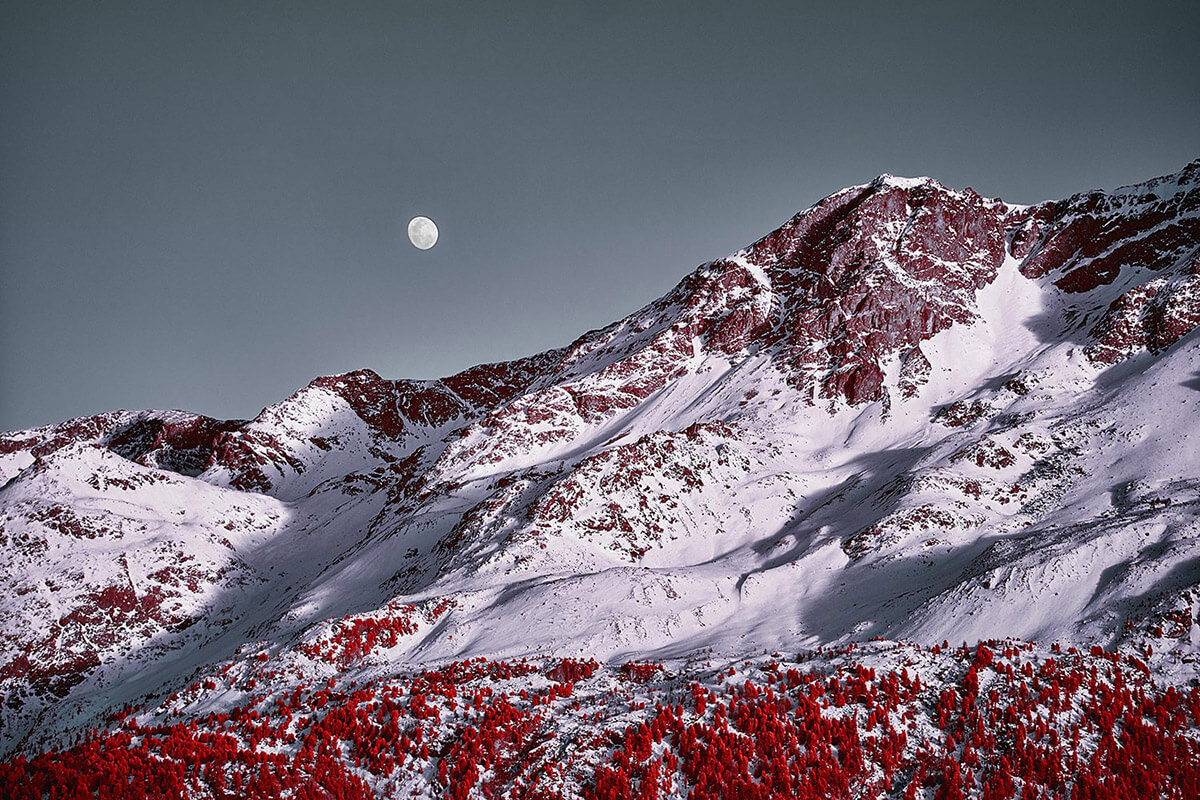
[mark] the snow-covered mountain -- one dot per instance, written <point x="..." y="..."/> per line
<point x="910" y="413"/>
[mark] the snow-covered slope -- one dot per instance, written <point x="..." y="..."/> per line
<point x="910" y="412"/>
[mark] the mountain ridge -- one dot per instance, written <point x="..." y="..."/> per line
<point x="909" y="412"/>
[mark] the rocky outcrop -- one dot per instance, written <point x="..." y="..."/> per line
<point x="847" y="426"/>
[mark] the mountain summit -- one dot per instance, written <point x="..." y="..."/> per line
<point x="910" y="412"/>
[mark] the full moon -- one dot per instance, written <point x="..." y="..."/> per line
<point x="422" y="233"/>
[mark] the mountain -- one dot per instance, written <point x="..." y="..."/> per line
<point x="909" y="416"/>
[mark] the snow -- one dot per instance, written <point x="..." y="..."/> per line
<point x="648" y="494"/>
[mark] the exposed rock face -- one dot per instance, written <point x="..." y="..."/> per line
<point x="183" y="444"/>
<point x="914" y="372"/>
<point x="892" y="416"/>
<point x="1152" y="315"/>
<point x="1090" y="239"/>
<point x="875" y="270"/>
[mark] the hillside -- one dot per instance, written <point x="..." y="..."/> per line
<point x="909" y="416"/>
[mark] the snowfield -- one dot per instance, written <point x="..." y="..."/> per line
<point x="704" y="551"/>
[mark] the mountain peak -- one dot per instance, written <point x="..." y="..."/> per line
<point x="886" y="179"/>
<point x="907" y="412"/>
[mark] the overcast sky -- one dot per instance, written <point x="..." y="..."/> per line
<point x="203" y="205"/>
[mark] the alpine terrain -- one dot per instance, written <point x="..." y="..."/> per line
<point x="901" y="500"/>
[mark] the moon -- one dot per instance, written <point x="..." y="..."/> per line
<point x="422" y="233"/>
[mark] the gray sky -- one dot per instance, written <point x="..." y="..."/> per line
<point x="203" y="205"/>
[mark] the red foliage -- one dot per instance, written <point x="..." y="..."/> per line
<point x="1013" y="724"/>
<point x="356" y="637"/>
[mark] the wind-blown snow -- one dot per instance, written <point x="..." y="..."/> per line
<point x="908" y="413"/>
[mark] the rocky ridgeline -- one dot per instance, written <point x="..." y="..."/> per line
<point x="910" y="412"/>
